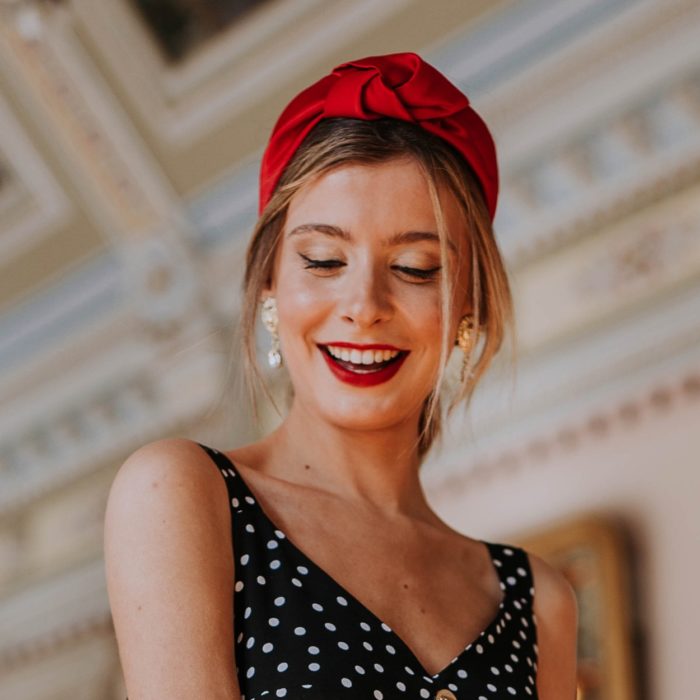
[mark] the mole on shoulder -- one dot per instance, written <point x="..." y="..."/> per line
<point x="306" y="466"/>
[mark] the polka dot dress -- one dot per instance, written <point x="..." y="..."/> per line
<point x="300" y="635"/>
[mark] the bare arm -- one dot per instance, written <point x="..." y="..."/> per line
<point x="169" y="565"/>
<point x="557" y="621"/>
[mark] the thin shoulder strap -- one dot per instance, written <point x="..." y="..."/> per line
<point x="514" y="569"/>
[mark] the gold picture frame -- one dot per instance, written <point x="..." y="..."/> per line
<point x="594" y="555"/>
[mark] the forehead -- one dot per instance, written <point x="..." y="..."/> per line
<point x="378" y="199"/>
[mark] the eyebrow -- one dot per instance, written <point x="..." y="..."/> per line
<point x="396" y="239"/>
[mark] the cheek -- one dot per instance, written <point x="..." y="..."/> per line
<point x="302" y="304"/>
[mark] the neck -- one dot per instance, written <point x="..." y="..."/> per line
<point x="378" y="468"/>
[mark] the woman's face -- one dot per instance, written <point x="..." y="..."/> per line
<point x="357" y="283"/>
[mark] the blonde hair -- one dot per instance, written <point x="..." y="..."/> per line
<point x="342" y="141"/>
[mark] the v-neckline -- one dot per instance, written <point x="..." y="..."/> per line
<point x="499" y="617"/>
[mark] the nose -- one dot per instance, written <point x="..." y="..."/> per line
<point x="366" y="297"/>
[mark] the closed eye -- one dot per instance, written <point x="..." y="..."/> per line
<point x="416" y="272"/>
<point x="321" y="263"/>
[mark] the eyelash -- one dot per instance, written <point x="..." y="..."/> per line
<point x="329" y="264"/>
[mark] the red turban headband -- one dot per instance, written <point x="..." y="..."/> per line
<point x="401" y="86"/>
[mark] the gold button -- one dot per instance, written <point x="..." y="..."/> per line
<point x="445" y="694"/>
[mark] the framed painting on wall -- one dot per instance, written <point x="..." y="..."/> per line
<point x="593" y="554"/>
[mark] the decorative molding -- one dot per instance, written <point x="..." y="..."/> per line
<point x="600" y="424"/>
<point x="600" y="367"/>
<point x="31" y="330"/>
<point x="633" y="68"/>
<point x="122" y="186"/>
<point x="127" y="394"/>
<point x="32" y="204"/>
<point x="241" y="65"/>
<point x="53" y="613"/>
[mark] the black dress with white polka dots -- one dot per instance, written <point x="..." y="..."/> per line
<point x="301" y="635"/>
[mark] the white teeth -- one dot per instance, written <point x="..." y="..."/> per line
<point x="361" y="357"/>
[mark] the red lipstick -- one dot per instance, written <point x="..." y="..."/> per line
<point x="371" y="378"/>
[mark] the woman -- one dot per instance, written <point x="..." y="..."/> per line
<point x="315" y="568"/>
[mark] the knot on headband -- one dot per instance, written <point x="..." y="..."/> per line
<point x="401" y="86"/>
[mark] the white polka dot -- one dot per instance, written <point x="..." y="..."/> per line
<point x="250" y="672"/>
<point x="378" y="695"/>
<point x="367" y="646"/>
<point x="511" y="690"/>
<point x="314" y="666"/>
<point x="296" y="582"/>
<point x="275" y="564"/>
<point x="491" y="687"/>
<point x="261" y="580"/>
<point x="379" y="667"/>
<point x="424" y="693"/>
<point x="272" y="544"/>
<point x="313" y="650"/>
<point x="281" y="692"/>
<point x="400" y="685"/>
<point x="462" y="673"/>
<point x="386" y="627"/>
<point x="299" y="631"/>
<point x="341" y="600"/>
<point x="246" y="613"/>
<point x="279" y="600"/>
<point x="273" y="622"/>
<point x="390" y="649"/>
<point x="302" y="569"/>
<point x="317" y="606"/>
<point x="346" y="682"/>
<point x="343" y="645"/>
<point x="410" y="670"/>
<point x="249" y="527"/>
<point x="330" y="626"/>
<point x="244" y="559"/>
<point x="360" y="670"/>
<point x="268" y="647"/>
<point x="282" y="666"/>
<point x="249" y="499"/>
<point x="238" y="586"/>
<point x="279" y="534"/>
<point x="234" y="502"/>
<point x="250" y="642"/>
<point x="479" y="649"/>
<point x="365" y="626"/>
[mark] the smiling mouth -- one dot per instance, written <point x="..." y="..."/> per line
<point x="363" y="366"/>
<point x="363" y="362"/>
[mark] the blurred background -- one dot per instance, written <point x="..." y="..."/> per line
<point x="130" y="138"/>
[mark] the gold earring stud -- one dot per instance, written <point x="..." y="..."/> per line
<point x="465" y="337"/>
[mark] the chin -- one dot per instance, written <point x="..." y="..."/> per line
<point x="363" y="414"/>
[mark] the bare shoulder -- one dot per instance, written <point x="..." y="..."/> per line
<point x="554" y="595"/>
<point x="170" y="570"/>
<point x="169" y="462"/>
<point x="556" y="613"/>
